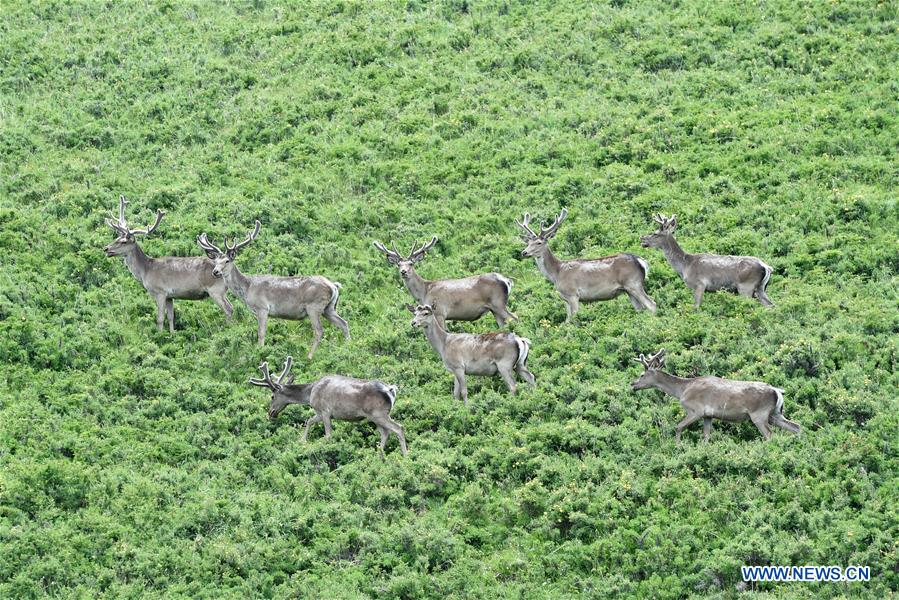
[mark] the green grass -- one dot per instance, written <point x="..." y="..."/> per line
<point x="137" y="463"/>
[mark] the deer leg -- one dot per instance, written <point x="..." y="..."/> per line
<point x="456" y="388"/>
<point x="500" y="318"/>
<point x="384" y="435"/>
<point x="572" y="305"/>
<point x="697" y="294"/>
<point x="398" y="430"/>
<point x="686" y="422"/>
<point x="222" y="302"/>
<point x="506" y="314"/>
<point x="762" y="297"/>
<point x="262" y="320"/>
<point x="390" y="425"/>
<point x="643" y="298"/>
<point x="170" y="312"/>
<point x="783" y="423"/>
<point x="309" y="423"/>
<point x="507" y="376"/>
<point x="526" y="375"/>
<point x="634" y="302"/>
<point x="762" y="424"/>
<point x="463" y="387"/>
<point x="706" y="428"/>
<point x="326" y="419"/>
<point x="318" y="331"/>
<point x="338" y="321"/>
<point x="160" y="312"/>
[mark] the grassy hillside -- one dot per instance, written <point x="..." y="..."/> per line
<point x="137" y="463"/>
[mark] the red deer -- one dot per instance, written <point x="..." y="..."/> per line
<point x="586" y="279"/>
<point x="455" y="299"/>
<point x="710" y="398"/>
<point x="747" y="275"/>
<point x="169" y="278"/>
<point x="281" y="297"/>
<point x="475" y="354"/>
<point x="335" y="397"/>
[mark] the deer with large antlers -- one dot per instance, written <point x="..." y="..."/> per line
<point x="292" y="298"/>
<point x="586" y="280"/>
<point x="710" y="398"/>
<point x="168" y="278"/>
<point x="475" y="354"/>
<point x="335" y="397"/>
<point x="747" y="275"/>
<point x="465" y="299"/>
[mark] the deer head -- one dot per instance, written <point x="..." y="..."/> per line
<point x="280" y="398"/>
<point x="125" y="241"/>
<point x="224" y="260"/>
<point x="653" y="366"/>
<point x="423" y="315"/>
<point x="536" y="243"/>
<point x="662" y="234"/>
<point x="405" y="264"/>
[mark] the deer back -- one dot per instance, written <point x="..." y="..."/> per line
<point x="290" y="295"/>
<point x="719" y="271"/>
<point x="729" y="399"/>
<point x="349" y="398"/>
<point x="468" y="348"/>
<point x="181" y="277"/>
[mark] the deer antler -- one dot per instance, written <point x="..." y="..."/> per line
<point x="665" y="223"/>
<point x="417" y="255"/>
<point x="548" y="232"/>
<point x="208" y="246"/>
<point x="159" y="214"/>
<point x="266" y="380"/>
<point x="287" y="364"/>
<point x="121" y="226"/>
<point x="393" y="256"/>
<point x="250" y="237"/>
<point x="525" y="225"/>
<point x="655" y="361"/>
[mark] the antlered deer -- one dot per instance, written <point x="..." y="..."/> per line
<point x="587" y="279"/>
<point x="281" y="297"/>
<point x="455" y="299"/>
<point x="169" y="278"/>
<point x="475" y="354"/>
<point x="709" y="272"/>
<point x="335" y="397"/>
<point x="710" y="398"/>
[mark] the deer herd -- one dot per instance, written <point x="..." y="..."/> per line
<point x="500" y="353"/>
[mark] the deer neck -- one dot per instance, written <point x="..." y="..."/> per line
<point x="675" y="256"/>
<point x="548" y="264"/>
<point x="671" y="385"/>
<point x="300" y="393"/>
<point x="237" y="282"/>
<point x="417" y="286"/>
<point x="437" y="336"/>
<point x="138" y="262"/>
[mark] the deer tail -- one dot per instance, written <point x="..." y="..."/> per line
<point x="388" y="391"/>
<point x="506" y="282"/>
<point x="335" y="294"/>
<point x="768" y="271"/>
<point x="524" y="347"/>
<point x="779" y="407"/>
<point x="643" y="265"/>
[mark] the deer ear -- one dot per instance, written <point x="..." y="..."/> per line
<point x="410" y="308"/>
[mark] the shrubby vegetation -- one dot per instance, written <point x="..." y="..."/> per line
<point x="139" y="463"/>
